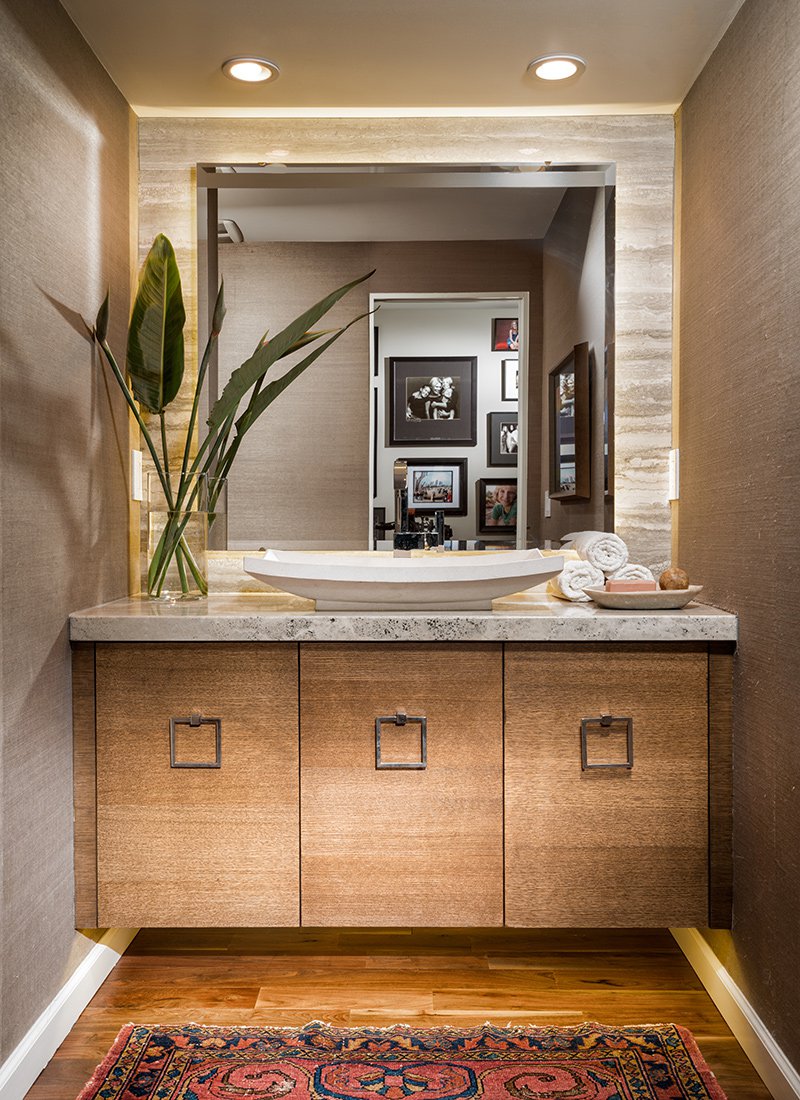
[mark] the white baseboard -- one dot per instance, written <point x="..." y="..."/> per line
<point x="771" y="1064"/>
<point x="27" y="1060"/>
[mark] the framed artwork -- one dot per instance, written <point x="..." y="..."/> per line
<point x="505" y="334"/>
<point x="497" y="505"/>
<point x="375" y="442"/>
<point x="509" y="380"/>
<point x="437" y="484"/>
<point x="608" y="421"/>
<point x="433" y="401"/>
<point x="570" y="412"/>
<point x="502" y="438"/>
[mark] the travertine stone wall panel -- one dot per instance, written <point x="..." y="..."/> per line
<point x="641" y="146"/>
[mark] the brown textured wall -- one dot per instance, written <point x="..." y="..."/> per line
<point x="64" y="177"/>
<point x="318" y="430"/>
<point x="740" y="461"/>
<point x="574" y="311"/>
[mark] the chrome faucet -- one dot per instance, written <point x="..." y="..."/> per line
<point x="400" y="496"/>
<point x="407" y="536"/>
<point x="404" y="538"/>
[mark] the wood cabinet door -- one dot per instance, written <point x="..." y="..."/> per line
<point x="195" y="846"/>
<point x="388" y="847"/>
<point x="611" y="846"/>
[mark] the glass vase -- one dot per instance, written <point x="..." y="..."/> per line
<point x="177" y="541"/>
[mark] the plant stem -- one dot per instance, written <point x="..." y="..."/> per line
<point x="181" y="569"/>
<point x="172" y="543"/>
<point x="181" y="552"/>
<point x="164" y="450"/>
<point x="135" y="410"/>
<point x="200" y="580"/>
<point x="201" y="376"/>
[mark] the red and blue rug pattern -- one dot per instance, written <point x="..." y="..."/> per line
<point x="318" y="1062"/>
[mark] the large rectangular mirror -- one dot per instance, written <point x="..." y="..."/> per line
<point x="486" y="278"/>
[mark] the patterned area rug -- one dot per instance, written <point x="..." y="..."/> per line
<point x="318" y="1062"/>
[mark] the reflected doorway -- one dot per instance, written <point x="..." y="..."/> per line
<point x="449" y="386"/>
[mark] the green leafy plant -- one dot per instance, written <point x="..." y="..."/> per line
<point x="155" y="368"/>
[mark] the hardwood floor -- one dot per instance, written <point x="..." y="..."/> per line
<point x="423" y="978"/>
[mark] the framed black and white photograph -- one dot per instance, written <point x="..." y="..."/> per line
<point x="433" y="401"/>
<point x="570" y="412"/>
<point x="505" y="334"/>
<point x="509" y="380"/>
<point x="608" y="421"/>
<point x="497" y="505"/>
<point x="374" y="443"/>
<point x="502" y="436"/>
<point x="436" y="484"/>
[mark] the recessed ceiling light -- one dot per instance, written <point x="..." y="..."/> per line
<point x="557" y="66"/>
<point x="252" y="70"/>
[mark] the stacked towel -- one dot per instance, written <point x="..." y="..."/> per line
<point x="603" y="549"/>
<point x="573" y="578"/>
<point x="631" y="572"/>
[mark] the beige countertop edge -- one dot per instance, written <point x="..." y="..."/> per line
<point x="277" y="617"/>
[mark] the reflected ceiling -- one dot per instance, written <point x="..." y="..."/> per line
<point x="390" y="215"/>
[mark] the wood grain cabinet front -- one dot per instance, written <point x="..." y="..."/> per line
<point x="606" y="846"/>
<point x="412" y="845"/>
<point x="402" y="784"/>
<point x="180" y="840"/>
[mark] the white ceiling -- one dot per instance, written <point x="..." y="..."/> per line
<point x="363" y="56"/>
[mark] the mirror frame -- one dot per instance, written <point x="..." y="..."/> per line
<point x="213" y="177"/>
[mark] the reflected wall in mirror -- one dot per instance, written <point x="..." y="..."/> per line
<point x="439" y="382"/>
<point x="531" y="243"/>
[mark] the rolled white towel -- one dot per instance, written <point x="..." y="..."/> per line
<point x="573" y="578"/>
<point x="631" y="572"/>
<point x="603" y="549"/>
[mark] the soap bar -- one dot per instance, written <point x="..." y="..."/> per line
<point x="631" y="586"/>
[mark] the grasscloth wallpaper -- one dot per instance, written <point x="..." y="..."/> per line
<point x="64" y="178"/>
<point x="740" y="461"/>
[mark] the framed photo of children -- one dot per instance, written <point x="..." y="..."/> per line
<point x="433" y="401"/>
<point x="502" y="436"/>
<point x="505" y="334"/>
<point x="570" y="412"/>
<point x="437" y="484"/>
<point x="497" y="505"/>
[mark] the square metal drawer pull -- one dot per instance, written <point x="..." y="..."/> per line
<point x="605" y="722"/>
<point x="196" y="720"/>
<point x="402" y="719"/>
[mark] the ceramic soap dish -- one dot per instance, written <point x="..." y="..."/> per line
<point x="669" y="599"/>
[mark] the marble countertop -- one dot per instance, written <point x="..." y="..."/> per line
<point x="276" y="617"/>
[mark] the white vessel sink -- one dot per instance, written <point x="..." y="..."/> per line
<point x="378" y="581"/>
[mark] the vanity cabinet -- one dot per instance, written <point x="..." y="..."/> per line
<point x="401" y="780"/>
<point x="197" y="817"/>
<point x="620" y="837"/>
<point x="402" y="783"/>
